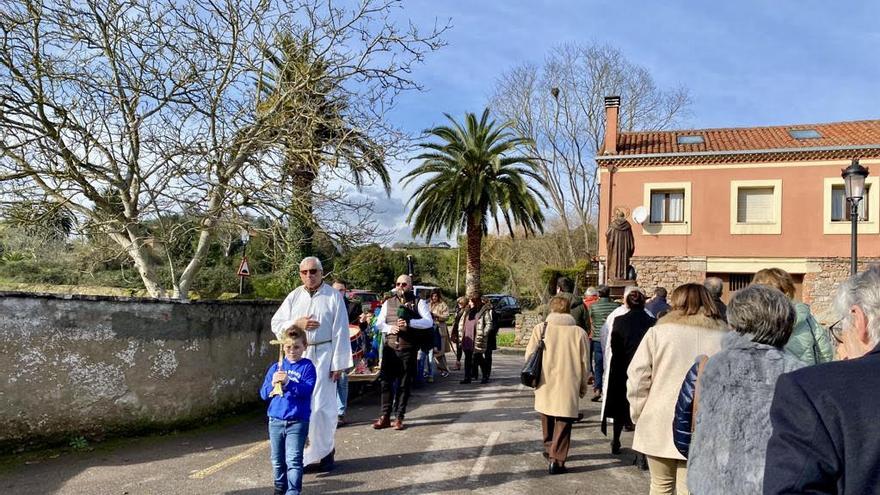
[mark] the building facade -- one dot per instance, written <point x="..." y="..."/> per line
<point x="729" y="202"/>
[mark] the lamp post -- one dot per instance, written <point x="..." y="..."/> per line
<point x="854" y="183"/>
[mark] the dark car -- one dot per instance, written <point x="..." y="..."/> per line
<point x="506" y="308"/>
<point x="369" y="300"/>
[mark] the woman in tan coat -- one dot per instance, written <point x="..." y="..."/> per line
<point x="654" y="379"/>
<point x="563" y="379"/>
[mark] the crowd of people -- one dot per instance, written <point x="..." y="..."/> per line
<point x="738" y="398"/>
<point x="311" y="379"/>
<point x="723" y="399"/>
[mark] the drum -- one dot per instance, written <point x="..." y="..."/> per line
<point x="358" y="342"/>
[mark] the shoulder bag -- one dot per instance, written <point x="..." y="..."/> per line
<point x="531" y="372"/>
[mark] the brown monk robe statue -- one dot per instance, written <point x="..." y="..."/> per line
<point x="621" y="245"/>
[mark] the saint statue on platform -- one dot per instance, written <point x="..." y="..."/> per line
<point x="621" y="245"/>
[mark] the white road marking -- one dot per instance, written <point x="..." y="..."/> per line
<point x="204" y="473"/>
<point x="480" y="465"/>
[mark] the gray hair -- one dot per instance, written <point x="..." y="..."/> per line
<point x="313" y="259"/>
<point x="764" y="312"/>
<point x="591" y="291"/>
<point x="862" y="290"/>
<point x="715" y="286"/>
<point x="630" y="288"/>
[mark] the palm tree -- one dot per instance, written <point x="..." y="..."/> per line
<point x="314" y="131"/>
<point x="474" y="174"/>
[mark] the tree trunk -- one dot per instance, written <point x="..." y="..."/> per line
<point x="474" y="245"/>
<point x="300" y="217"/>
<point x="142" y="262"/>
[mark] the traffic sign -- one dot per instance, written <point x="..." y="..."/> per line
<point x="243" y="269"/>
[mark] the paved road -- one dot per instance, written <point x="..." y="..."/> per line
<point x="461" y="439"/>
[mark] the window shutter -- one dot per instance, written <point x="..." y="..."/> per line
<point x="755" y="205"/>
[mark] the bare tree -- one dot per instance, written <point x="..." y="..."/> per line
<point x="129" y="112"/>
<point x="560" y="106"/>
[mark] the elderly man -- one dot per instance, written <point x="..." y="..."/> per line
<point x="321" y="311"/>
<point x="826" y="437"/>
<point x="405" y="323"/>
<point x="715" y="286"/>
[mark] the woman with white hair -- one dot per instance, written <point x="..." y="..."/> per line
<point x="736" y="388"/>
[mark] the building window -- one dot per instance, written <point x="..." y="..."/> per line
<point x="756" y="206"/>
<point x="840" y="209"/>
<point x="669" y="204"/>
<point x="740" y="281"/>
<point x="836" y="208"/>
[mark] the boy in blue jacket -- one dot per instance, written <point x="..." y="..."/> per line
<point x="289" y="412"/>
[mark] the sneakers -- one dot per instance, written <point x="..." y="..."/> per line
<point x="597" y="396"/>
<point x="382" y="423"/>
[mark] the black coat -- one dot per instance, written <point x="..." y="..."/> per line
<point x="627" y="334"/>
<point x="826" y="432"/>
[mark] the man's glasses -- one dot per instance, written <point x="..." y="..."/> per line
<point x="836" y="330"/>
<point x="401" y="284"/>
<point x="310" y="271"/>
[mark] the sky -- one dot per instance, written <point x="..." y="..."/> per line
<point x="746" y="63"/>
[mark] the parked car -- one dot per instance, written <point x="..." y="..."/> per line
<point x="506" y="308"/>
<point x="369" y="300"/>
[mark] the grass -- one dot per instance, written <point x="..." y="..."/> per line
<point x="505" y="339"/>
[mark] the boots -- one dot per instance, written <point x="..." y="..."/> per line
<point x="382" y="423"/>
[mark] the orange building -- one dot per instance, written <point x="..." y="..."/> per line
<point x="729" y="202"/>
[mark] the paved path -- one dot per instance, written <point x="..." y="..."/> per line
<point x="461" y="439"/>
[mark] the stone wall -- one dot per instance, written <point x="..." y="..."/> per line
<point x="525" y="322"/>
<point x="668" y="271"/>
<point x="821" y="282"/>
<point x="84" y="365"/>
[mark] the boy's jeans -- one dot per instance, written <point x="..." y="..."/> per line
<point x="287" y="439"/>
<point x="342" y="394"/>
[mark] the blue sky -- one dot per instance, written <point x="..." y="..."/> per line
<point x="746" y="63"/>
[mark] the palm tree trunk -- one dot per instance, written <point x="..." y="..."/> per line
<point x="474" y="232"/>
<point x="300" y="217"/>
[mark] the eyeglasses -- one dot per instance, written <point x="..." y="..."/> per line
<point x="401" y="284"/>
<point x="310" y="271"/>
<point x="836" y="330"/>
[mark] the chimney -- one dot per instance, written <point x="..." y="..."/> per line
<point x="612" y="110"/>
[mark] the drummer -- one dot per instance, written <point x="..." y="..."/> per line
<point x="342" y="383"/>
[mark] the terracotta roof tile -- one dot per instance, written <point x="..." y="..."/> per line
<point x="837" y="134"/>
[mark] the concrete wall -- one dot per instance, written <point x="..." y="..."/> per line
<point x="84" y="365"/>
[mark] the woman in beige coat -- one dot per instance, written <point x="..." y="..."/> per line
<point x="563" y="379"/>
<point x="667" y="352"/>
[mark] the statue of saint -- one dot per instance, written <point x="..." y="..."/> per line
<point x="621" y="245"/>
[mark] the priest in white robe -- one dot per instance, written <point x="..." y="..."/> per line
<point x="321" y="312"/>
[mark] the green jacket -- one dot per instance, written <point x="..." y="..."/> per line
<point x="809" y="341"/>
<point x="576" y="309"/>
<point x="599" y="311"/>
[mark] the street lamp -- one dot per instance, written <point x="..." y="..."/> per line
<point x="854" y="182"/>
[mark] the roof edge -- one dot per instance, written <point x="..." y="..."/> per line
<point x="740" y="152"/>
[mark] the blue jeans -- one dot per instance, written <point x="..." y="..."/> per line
<point x="287" y="439"/>
<point x="425" y="365"/>
<point x="598" y="364"/>
<point x="342" y="394"/>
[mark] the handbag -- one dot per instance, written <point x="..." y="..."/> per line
<point x="531" y="372"/>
